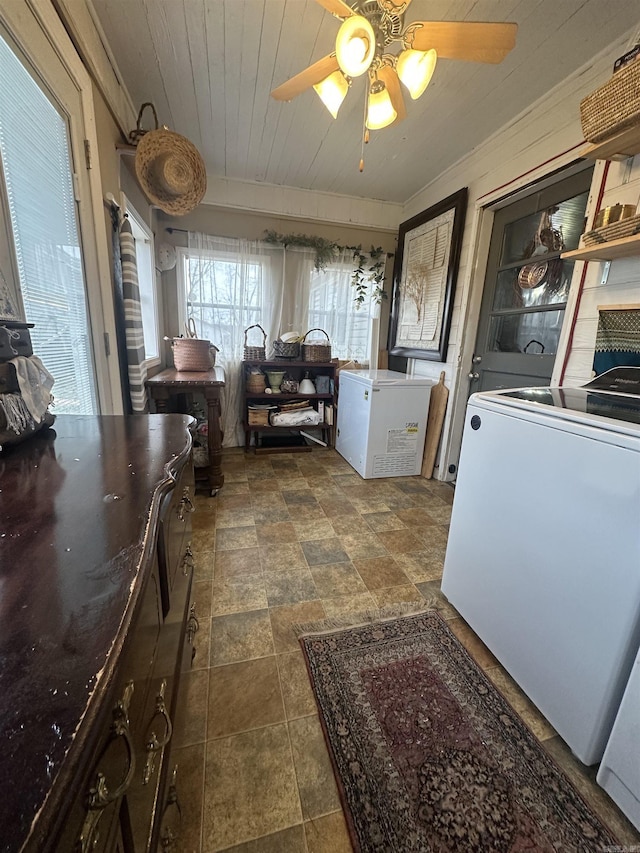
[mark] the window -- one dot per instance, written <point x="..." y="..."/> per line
<point x="224" y="295"/>
<point x="145" y="262"/>
<point x="35" y="150"/>
<point x="352" y="331"/>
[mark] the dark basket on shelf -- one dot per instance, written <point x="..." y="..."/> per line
<point x="255" y="353"/>
<point x="282" y="349"/>
<point x="318" y="350"/>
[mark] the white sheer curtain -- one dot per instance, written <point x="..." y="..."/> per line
<point x="299" y="265"/>
<point x="227" y="286"/>
<point x="353" y="331"/>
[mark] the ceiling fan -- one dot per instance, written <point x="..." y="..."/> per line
<point x="368" y="27"/>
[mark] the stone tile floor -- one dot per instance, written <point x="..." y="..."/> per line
<point x="295" y="538"/>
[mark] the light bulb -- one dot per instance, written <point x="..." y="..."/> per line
<point x="332" y="91"/>
<point x="355" y="51"/>
<point x="355" y="46"/>
<point x="415" y="68"/>
<point x="381" y="112"/>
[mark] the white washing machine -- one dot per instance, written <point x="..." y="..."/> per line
<point x="543" y="558"/>
<point x="619" y="772"/>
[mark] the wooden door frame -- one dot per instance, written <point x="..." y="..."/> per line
<point x="481" y="227"/>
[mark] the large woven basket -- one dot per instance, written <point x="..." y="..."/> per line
<point x="316" y="350"/>
<point x="193" y="354"/>
<point x="613" y="107"/>
<point x="252" y="353"/>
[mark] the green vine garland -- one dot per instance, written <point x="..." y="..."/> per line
<point x="369" y="266"/>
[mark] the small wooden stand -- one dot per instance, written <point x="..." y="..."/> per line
<point x="209" y="383"/>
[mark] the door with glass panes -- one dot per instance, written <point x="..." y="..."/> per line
<point x="42" y="179"/>
<point x="527" y="285"/>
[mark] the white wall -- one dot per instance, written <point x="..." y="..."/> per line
<point x="542" y="139"/>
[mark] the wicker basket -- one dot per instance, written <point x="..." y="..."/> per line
<point x="258" y="417"/>
<point x="318" y="350"/>
<point x="193" y="354"/>
<point x="615" y="231"/>
<point x="200" y="457"/>
<point x="255" y="353"/>
<point x="282" y="349"/>
<point x="613" y="107"/>
<point x="256" y="383"/>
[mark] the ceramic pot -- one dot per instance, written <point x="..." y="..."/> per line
<point x="275" y="378"/>
<point x="306" y="386"/>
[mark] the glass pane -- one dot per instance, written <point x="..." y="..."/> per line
<point x="531" y="285"/>
<point x="533" y="333"/>
<point x="34" y="145"/>
<point x="222" y="297"/>
<point x="555" y="229"/>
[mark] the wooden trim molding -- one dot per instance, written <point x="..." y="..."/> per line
<point x="90" y="41"/>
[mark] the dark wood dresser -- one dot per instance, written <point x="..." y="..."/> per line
<point x="96" y="625"/>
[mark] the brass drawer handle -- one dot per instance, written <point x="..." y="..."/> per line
<point x="153" y="744"/>
<point x="185" y="504"/>
<point x="193" y="626"/>
<point x="99" y="796"/>
<point x="171" y="818"/>
<point x="187" y="561"/>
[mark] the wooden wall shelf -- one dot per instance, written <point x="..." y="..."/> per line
<point x="618" y="147"/>
<point x="625" y="247"/>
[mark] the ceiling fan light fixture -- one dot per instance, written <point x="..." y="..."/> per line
<point x="380" y="111"/>
<point x="332" y="91"/>
<point x="355" y="46"/>
<point x="415" y="69"/>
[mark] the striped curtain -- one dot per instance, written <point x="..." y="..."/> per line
<point x="134" y="336"/>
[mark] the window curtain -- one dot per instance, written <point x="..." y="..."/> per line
<point x="353" y="331"/>
<point x="118" y="307"/>
<point x="134" y="336"/>
<point x="230" y="285"/>
<point x="298" y="269"/>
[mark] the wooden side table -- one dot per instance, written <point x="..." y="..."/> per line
<point x="171" y="383"/>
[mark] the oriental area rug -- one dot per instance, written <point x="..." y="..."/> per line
<point x="429" y="756"/>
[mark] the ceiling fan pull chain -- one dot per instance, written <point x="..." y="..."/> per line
<point x="365" y="129"/>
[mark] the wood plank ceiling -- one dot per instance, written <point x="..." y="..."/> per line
<point x="209" y="66"/>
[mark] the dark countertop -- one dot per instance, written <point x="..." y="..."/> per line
<point x="78" y="513"/>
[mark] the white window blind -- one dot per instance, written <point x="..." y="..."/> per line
<point x="36" y="160"/>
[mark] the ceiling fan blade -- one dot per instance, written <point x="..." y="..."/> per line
<point x="337" y="7"/>
<point x="391" y="81"/>
<point x="306" y="79"/>
<point x="472" y="41"/>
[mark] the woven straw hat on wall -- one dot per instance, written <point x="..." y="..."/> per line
<point x="170" y="169"/>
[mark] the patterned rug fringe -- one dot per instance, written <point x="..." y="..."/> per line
<point x="367" y="617"/>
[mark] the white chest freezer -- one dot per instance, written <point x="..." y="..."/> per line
<point x="543" y="556"/>
<point x="382" y="421"/>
